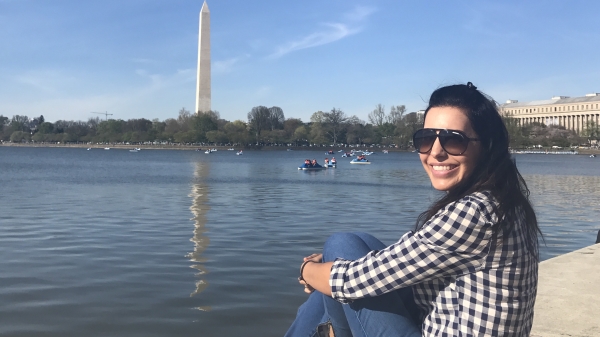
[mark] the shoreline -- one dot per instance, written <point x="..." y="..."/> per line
<point x="224" y="148"/>
<point x="202" y="148"/>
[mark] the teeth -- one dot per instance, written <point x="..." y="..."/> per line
<point x="441" y="168"/>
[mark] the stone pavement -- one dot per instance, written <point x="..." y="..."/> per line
<point x="568" y="298"/>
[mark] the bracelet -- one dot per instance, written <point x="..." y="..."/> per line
<point x="302" y="269"/>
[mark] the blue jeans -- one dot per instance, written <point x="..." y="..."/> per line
<point x="391" y="314"/>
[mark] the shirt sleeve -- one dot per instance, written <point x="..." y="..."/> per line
<point x="454" y="242"/>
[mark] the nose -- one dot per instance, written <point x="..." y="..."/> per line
<point x="437" y="150"/>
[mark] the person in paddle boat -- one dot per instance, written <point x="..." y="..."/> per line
<point x="307" y="163"/>
<point x="326" y="161"/>
<point x="469" y="268"/>
<point x="314" y="163"/>
<point x="333" y="161"/>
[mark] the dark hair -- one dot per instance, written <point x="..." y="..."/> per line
<point x="495" y="170"/>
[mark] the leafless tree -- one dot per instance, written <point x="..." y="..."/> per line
<point x="184" y="119"/>
<point x="93" y="122"/>
<point x="396" y="114"/>
<point x="377" y="116"/>
<point x="276" y="118"/>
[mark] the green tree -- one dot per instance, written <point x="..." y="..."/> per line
<point x="591" y="130"/>
<point x="237" y="132"/>
<point x="334" y="123"/>
<point x="201" y="124"/>
<point x="20" y="136"/>
<point x="217" y="137"/>
<point x="46" y="127"/>
<point x="300" y="135"/>
<point x="386" y="132"/>
<point x="515" y="132"/>
<point x="412" y="122"/>
<point x="289" y="126"/>
<point x="259" y="120"/>
<point x="19" y="123"/>
<point x="356" y="132"/>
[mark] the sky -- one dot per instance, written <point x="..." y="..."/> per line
<point x="65" y="59"/>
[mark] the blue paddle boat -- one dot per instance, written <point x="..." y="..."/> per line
<point x="360" y="161"/>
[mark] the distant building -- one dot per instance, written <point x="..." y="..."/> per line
<point x="573" y="113"/>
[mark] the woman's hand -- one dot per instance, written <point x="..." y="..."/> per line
<point x="307" y="288"/>
<point x="316" y="258"/>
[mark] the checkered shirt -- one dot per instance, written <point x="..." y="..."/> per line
<point x="465" y="283"/>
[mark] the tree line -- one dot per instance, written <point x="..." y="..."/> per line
<point x="266" y="126"/>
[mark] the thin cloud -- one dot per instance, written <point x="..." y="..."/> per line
<point x="227" y="66"/>
<point x="359" y="13"/>
<point x="329" y="33"/>
<point x="263" y="91"/>
<point x="477" y="20"/>
<point x="144" y="61"/>
<point x="49" y="81"/>
<point x="49" y="93"/>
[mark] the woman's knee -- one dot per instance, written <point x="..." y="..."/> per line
<point x="371" y="241"/>
<point x="344" y="245"/>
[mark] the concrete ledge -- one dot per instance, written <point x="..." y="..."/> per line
<point x="568" y="298"/>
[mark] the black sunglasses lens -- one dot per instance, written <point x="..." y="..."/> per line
<point x="423" y="140"/>
<point x="453" y="142"/>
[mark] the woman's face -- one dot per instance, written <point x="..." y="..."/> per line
<point x="446" y="171"/>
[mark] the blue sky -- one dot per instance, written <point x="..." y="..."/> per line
<point x="137" y="58"/>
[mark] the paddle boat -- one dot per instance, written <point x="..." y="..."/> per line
<point x="330" y="165"/>
<point x="239" y="153"/>
<point x="348" y="154"/>
<point x="592" y="156"/>
<point x="308" y="167"/>
<point x="360" y="161"/>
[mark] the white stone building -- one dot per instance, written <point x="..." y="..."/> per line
<point x="574" y="113"/>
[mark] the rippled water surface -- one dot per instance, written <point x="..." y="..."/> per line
<point x="180" y="243"/>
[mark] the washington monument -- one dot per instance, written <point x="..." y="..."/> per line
<point x="203" y="78"/>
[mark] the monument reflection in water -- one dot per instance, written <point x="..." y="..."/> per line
<point x="199" y="209"/>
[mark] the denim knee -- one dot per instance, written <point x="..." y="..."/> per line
<point x="344" y="245"/>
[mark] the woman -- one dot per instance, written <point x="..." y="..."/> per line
<point x="470" y="266"/>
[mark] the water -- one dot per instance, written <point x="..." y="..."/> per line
<point x="180" y="243"/>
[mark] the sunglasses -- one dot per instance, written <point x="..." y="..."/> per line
<point x="454" y="142"/>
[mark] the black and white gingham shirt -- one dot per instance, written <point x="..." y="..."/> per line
<point x="464" y="282"/>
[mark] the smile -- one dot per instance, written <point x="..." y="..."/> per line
<point x="442" y="168"/>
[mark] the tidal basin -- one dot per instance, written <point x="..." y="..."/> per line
<point x="181" y="243"/>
